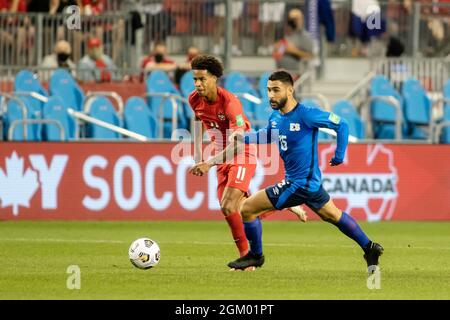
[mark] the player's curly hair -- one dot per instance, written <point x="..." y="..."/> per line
<point x="209" y="63"/>
<point x="282" y="76"/>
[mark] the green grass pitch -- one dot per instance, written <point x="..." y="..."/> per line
<point x="303" y="261"/>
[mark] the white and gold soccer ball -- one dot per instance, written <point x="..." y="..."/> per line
<point x="144" y="253"/>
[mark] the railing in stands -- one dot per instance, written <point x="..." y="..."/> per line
<point x="15" y="123"/>
<point x="431" y="72"/>
<point x="83" y="117"/>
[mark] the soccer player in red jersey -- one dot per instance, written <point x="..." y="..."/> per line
<point x="219" y="111"/>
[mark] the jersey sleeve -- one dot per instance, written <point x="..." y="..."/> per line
<point x="317" y="118"/>
<point x="192" y="100"/>
<point x="235" y="114"/>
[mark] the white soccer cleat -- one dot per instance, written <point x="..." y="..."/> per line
<point x="299" y="212"/>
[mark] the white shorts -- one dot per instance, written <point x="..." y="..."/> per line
<point x="271" y="11"/>
<point x="237" y="7"/>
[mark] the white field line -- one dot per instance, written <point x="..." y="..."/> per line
<point x="268" y="244"/>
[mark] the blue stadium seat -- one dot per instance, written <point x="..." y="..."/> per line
<point x="347" y="111"/>
<point x="186" y="87"/>
<point x="445" y="137"/>
<point x="187" y="84"/>
<point x="56" y="109"/>
<point x="102" y="109"/>
<point x="322" y="136"/>
<point x="27" y="81"/>
<point x="158" y="82"/>
<point x="14" y="112"/>
<point x="417" y="109"/>
<point x="262" y="84"/>
<point x="262" y="114"/>
<point x="62" y="84"/>
<point x="238" y="83"/>
<point x="383" y="115"/>
<point x="138" y="118"/>
<point x="446" y="93"/>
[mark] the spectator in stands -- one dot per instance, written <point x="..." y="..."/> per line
<point x="18" y="33"/>
<point x="295" y="47"/>
<point x="237" y="8"/>
<point x="60" y="58"/>
<point x="95" y="65"/>
<point x="182" y="68"/>
<point x="270" y="13"/>
<point x="395" y="46"/>
<point x="92" y="7"/>
<point x="158" y="60"/>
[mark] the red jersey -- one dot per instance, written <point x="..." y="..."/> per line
<point x="223" y="114"/>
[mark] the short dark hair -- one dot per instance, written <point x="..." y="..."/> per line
<point x="282" y="76"/>
<point x="209" y="63"/>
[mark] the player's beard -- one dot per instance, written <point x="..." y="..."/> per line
<point x="277" y="105"/>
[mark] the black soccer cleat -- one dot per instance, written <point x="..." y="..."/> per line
<point x="249" y="260"/>
<point x="372" y="253"/>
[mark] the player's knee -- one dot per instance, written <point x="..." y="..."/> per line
<point x="227" y="207"/>
<point x="330" y="216"/>
<point x="246" y="210"/>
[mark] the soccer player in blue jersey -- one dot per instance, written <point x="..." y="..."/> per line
<point x="297" y="127"/>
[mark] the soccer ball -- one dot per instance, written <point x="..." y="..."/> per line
<point x="144" y="253"/>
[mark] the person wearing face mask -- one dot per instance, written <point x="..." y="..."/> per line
<point x="60" y="58"/>
<point x="297" y="45"/>
<point x="95" y="65"/>
<point x="158" y="60"/>
<point x="182" y="68"/>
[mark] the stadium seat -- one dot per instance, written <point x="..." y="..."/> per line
<point x="417" y="109"/>
<point x="322" y="136"/>
<point x="14" y="112"/>
<point x="62" y="84"/>
<point x="186" y="87"/>
<point x="26" y="81"/>
<point x="445" y="135"/>
<point x="56" y="109"/>
<point x="102" y="109"/>
<point x="187" y="84"/>
<point x="262" y="84"/>
<point x="238" y="83"/>
<point x="262" y="114"/>
<point x="383" y="115"/>
<point x="158" y="82"/>
<point x="446" y="94"/>
<point x="138" y="118"/>
<point x="347" y="111"/>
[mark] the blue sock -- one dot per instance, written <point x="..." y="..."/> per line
<point x="351" y="229"/>
<point x="253" y="231"/>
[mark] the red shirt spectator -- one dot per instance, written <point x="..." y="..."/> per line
<point x="158" y="60"/>
<point x="92" y="7"/>
<point x="9" y="5"/>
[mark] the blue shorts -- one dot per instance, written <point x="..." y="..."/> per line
<point x="285" y="195"/>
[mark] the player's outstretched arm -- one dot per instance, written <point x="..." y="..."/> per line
<point x="322" y="119"/>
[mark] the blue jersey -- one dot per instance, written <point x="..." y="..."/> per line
<point x="297" y="142"/>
